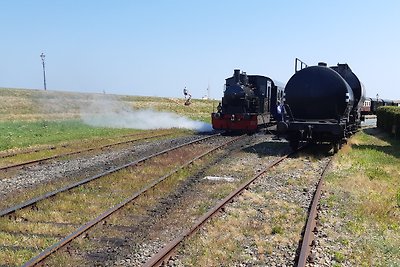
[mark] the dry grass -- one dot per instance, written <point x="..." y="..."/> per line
<point x="362" y="189"/>
<point x="228" y="238"/>
<point x="30" y="105"/>
<point x="257" y="221"/>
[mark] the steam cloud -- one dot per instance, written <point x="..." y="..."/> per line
<point x="113" y="113"/>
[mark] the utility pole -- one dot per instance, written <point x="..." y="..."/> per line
<point x="42" y="56"/>
<point x="208" y="91"/>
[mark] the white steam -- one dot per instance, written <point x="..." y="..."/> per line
<point x="113" y="113"/>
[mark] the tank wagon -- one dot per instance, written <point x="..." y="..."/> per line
<point x="322" y="105"/>
<point x="249" y="102"/>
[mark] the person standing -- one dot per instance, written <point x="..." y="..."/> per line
<point x="281" y="111"/>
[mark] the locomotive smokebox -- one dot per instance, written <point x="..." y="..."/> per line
<point x="318" y="93"/>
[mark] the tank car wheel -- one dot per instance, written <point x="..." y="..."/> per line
<point x="336" y="146"/>
<point x="294" y="144"/>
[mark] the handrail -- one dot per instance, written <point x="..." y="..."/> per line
<point x="302" y="65"/>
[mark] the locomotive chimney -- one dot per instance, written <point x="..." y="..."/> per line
<point x="343" y="66"/>
<point x="245" y="78"/>
<point x="322" y="64"/>
<point x="236" y="75"/>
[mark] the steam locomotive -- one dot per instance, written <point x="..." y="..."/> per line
<point x="249" y="102"/>
<point x="322" y="104"/>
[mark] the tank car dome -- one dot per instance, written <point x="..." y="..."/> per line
<point x="318" y="93"/>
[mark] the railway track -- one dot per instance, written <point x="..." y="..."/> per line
<point x="73" y="144"/>
<point x="12" y="160"/>
<point x="160" y="222"/>
<point x="162" y="256"/>
<point x="90" y="179"/>
<point x="144" y="216"/>
<point x="303" y="255"/>
<point x="52" y="224"/>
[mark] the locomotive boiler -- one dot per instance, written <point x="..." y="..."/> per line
<point x="249" y="102"/>
<point x="322" y="105"/>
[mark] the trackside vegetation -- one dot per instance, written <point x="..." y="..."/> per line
<point x="36" y="117"/>
<point x="363" y="201"/>
<point x="19" y="134"/>
<point x="35" y="105"/>
<point x="388" y="119"/>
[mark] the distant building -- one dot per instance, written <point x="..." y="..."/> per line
<point x="367" y="102"/>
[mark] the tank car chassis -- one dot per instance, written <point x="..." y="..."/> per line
<point x="320" y="132"/>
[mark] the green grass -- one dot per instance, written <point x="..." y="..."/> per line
<point x="364" y="189"/>
<point x="338" y="256"/>
<point x="20" y="134"/>
<point x="34" y="117"/>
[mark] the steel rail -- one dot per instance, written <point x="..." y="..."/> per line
<point x="76" y="152"/>
<point x="87" y="180"/>
<point x="159" y="258"/>
<point x="308" y="236"/>
<point x="44" y="254"/>
<point x="4" y="155"/>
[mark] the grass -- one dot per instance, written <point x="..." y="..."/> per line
<point x="364" y="189"/>
<point x="210" y="252"/>
<point x="34" y="117"/>
<point x="20" y="134"/>
<point x="398" y="198"/>
<point x="248" y="231"/>
<point x="229" y="238"/>
<point x="32" y="105"/>
<point x="338" y="256"/>
<point x="199" y="109"/>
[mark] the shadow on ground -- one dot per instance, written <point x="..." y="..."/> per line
<point x="392" y="149"/>
<point x="279" y="148"/>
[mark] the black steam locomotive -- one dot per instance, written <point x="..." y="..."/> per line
<point x="322" y="104"/>
<point x="249" y="101"/>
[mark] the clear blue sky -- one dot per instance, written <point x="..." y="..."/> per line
<point x="156" y="48"/>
